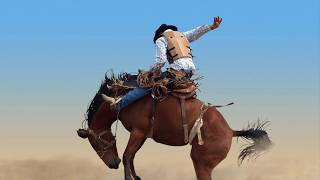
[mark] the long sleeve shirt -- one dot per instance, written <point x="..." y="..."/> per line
<point x="182" y="63"/>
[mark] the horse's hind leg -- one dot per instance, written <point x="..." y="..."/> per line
<point x="204" y="160"/>
<point x="135" y="142"/>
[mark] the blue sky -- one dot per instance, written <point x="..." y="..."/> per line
<point x="61" y="38"/>
<point x="53" y="56"/>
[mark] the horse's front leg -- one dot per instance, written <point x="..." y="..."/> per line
<point x="137" y="138"/>
<point x="133" y="172"/>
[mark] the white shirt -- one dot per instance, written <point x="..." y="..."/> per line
<point x="182" y="63"/>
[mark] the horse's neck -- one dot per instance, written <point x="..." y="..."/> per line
<point x="104" y="117"/>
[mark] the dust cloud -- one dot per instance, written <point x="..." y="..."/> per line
<point x="51" y="169"/>
<point x="81" y="169"/>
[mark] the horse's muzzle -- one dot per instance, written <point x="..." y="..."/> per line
<point x="114" y="164"/>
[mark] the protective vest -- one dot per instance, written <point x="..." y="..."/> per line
<point x="178" y="45"/>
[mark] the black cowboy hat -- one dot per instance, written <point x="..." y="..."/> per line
<point x="161" y="29"/>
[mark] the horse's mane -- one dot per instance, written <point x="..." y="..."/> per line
<point x="95" y="103"/>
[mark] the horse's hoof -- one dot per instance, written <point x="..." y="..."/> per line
<point x="137" y="178"/>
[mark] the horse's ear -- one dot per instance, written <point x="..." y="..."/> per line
<point x="83" y="133"/>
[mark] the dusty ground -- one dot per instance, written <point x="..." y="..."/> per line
<point x="80" y="169"/>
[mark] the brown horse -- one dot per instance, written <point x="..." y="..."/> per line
<point x="167" y="129"/>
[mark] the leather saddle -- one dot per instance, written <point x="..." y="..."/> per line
<point x="185" y="91"/>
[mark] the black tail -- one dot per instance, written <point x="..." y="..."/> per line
<point x="259" y="137"/>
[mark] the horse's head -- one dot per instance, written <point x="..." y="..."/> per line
<point x="101" y="138"/>
<point x="105" y="146"/>
<point x="104" y="143"/>
<point x="99" y="119"/>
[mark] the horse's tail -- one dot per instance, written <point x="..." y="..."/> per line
<point x="259" y="138"/>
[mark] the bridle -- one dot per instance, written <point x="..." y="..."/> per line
<point x="103" y="145"/>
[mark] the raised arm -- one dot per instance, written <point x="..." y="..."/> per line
<point x="196" y="33"/>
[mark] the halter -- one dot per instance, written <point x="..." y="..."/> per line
<point x="103" y="145"/>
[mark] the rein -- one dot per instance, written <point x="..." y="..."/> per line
<point x="103" y="145"/>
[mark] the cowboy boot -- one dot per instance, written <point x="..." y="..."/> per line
<point x="112" y="101"/>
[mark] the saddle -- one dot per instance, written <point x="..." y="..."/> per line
<point x="185" y="91"/>
<point x="171" y="82"/>
<point x="176" y="83"/>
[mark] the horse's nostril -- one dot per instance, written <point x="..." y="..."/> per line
<point x="114" y="164"/>
<point x="118" y="160"/>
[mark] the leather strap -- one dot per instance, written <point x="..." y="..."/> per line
<point x="154" y="101"/>
<point x="103" y="145"/>
<point x="184" y="120"/>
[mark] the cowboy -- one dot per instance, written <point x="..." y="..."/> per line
<point x="173" y="47"/>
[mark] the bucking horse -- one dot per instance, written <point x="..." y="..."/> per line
<point x="175" y="120"/>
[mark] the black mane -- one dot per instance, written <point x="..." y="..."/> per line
<point x="97" y="100"/>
